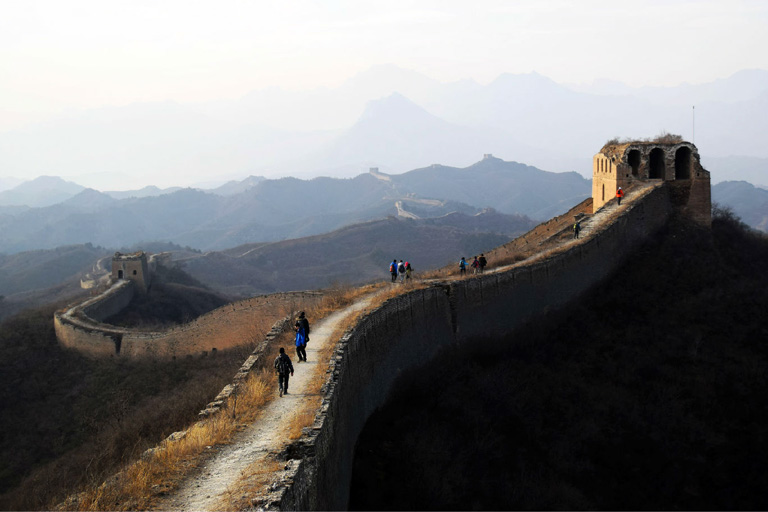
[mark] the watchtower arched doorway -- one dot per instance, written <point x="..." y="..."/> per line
<point x="656" y="166"/>
<point x="633" y="159"/>
<point x="119" y="274"/>
<point x="683" y="163"/>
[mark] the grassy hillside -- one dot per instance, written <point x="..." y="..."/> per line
<point x="354" y="254"/>
<point x="67" y="420"/>
<point x="647" y="394"/>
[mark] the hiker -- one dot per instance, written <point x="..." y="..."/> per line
<point x="462" y="266"/>
<point x="482" y="262"/>
<point x="401" y="271"/>
<point x="284" y="368"/>
<point x="393" y="270"/>
<point x="576" y="229"/>
<point x="475" y="265"/>
<point x="619" y="195"/>
<point x="408" y="270"/>
<point x="302" y="336"/>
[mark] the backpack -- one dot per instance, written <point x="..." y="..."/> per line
<point x="401" y="268"/>
<point x="391" y="267"/>
<point x="283" y="364"/>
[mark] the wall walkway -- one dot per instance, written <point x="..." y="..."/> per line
<point x="80" y="327"/>
<point x="407" y="332"/>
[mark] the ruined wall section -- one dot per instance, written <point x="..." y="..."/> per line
<point x="109" y="303"/>
<point x="225" y="327"/>
<point x="407" y="331"/>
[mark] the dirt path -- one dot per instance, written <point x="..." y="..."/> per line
<point x="206" y="488"/>
<point x="203" y="490"/>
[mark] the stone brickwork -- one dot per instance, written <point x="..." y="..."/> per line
<point x="406" y="332"/>
<point x="623" y="164"/>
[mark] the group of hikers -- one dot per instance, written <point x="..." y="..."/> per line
<point x="283" y="364"/>
<point x="401" y="271"/>
<point x="577" y="224"/>
<point x="478" y="265"/>
<point x="398" y="270"/>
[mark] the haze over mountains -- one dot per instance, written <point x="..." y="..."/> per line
<point x="261" y="210"/>
<point x="396" y="120"/>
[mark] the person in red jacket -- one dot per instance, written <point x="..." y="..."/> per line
<point x="619" y="195"/>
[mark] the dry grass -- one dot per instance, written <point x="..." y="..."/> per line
<point x="299" y="421"/>
<point x="160" y="469"/>
<point x="139" y="484"/>
<point x="257" y="477"/>
<point x="261" y="473"/>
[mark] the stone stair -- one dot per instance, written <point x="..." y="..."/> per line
<point x="590" y="223"/>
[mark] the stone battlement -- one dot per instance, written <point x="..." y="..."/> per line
<point x="677" y="162"/>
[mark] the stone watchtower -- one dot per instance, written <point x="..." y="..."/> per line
<point x="132" y="267"/>
<point x="669" y="159"/>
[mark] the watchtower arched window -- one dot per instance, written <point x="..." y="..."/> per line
<point x="119" y="274"/>
<point x="633" y="159"/>
<point x="656" y="164"/>
<point x="683" y="163"/>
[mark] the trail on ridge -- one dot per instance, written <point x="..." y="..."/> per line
<point x="204" y="488"/>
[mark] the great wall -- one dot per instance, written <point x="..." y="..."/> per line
<point x="661" y="179"/>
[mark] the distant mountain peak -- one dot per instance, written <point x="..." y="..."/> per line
<point x="41" y="191"/>
<point x="395" y="109"/>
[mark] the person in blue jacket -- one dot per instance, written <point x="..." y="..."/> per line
<point x="302" y="336"/>
<point x="393" y="270"/>
<point x="463" y="266"/>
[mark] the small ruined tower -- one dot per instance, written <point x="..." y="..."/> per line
<point x="132" y="267"/>
<point x="668" y="159"/>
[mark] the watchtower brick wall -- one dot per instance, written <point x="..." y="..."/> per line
<point x="132" y="267"/>
<point x="676" y="164"/>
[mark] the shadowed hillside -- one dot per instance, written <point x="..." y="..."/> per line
<point x="353" y="254"/>
<point x="68" y="420"/>
<point x="647" y="394"/>
<point x="173" y="299"/>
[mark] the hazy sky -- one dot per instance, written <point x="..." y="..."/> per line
<point x="70" y="54"/>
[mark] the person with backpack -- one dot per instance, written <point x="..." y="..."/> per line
<point x="619" y="195"/>
<point x="302" y="336"/>
<point x="482" y="262"/>
<point x="401" y="271"/>
<point x="576" y="229"/>
<point x="408" y="270"/>
<point x="284" y="369"/>
<point x="475" y="265"/>
<point x="462" y="266"/>
<point x="393" y="270"/>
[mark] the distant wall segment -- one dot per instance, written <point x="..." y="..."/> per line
<point x="80" y="327"/>
<point x="406" y="332"/>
